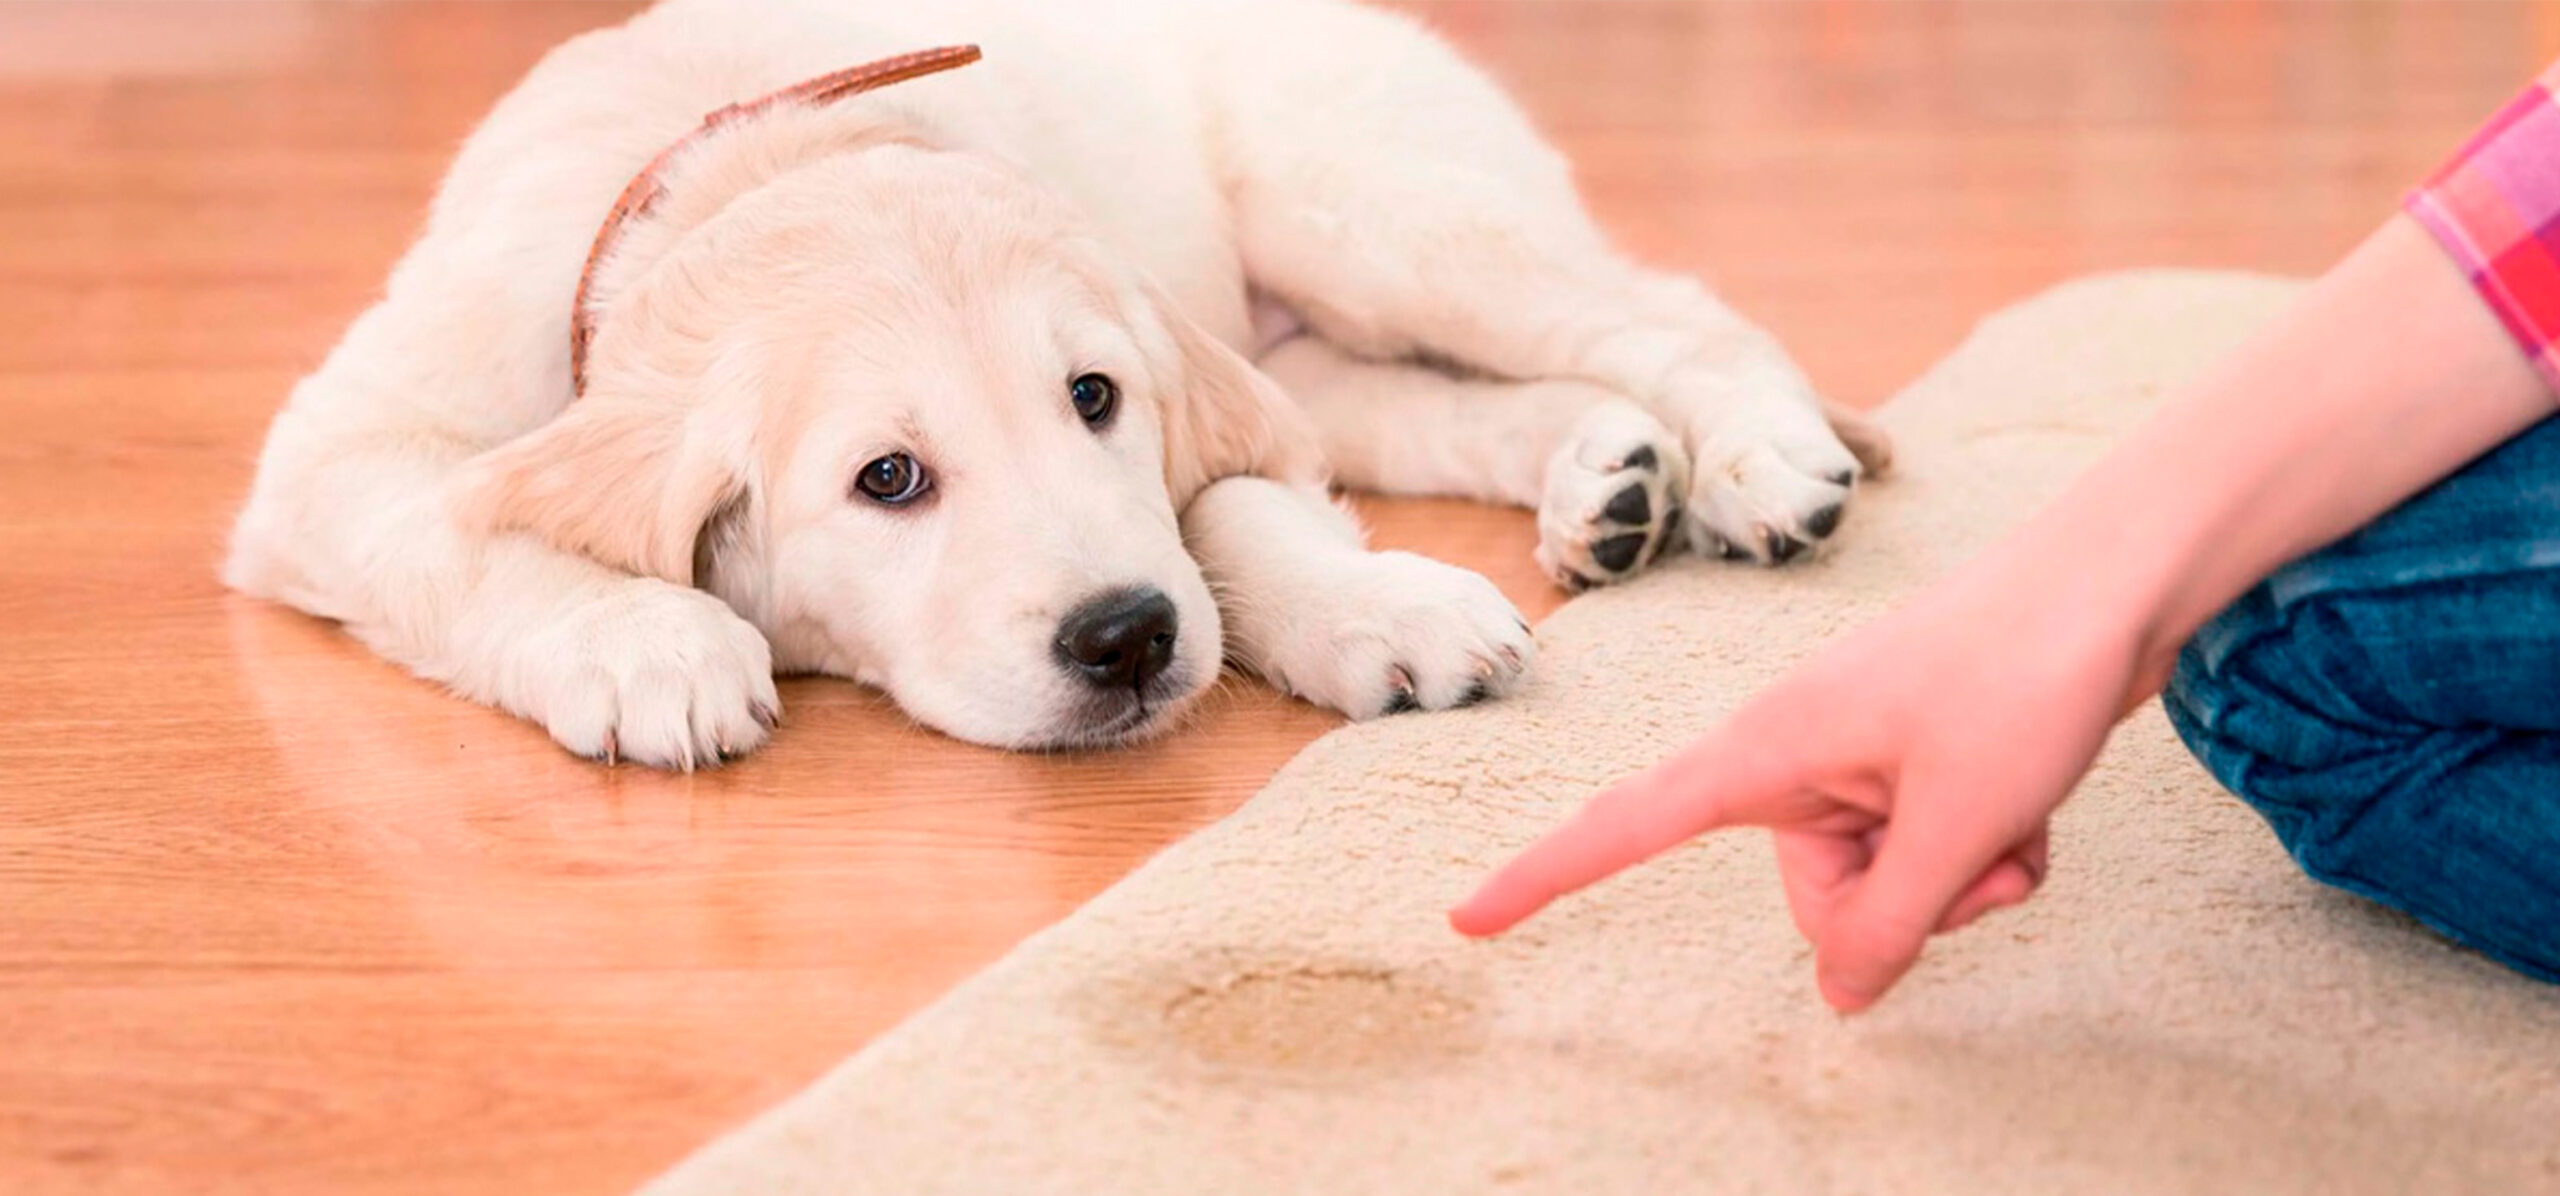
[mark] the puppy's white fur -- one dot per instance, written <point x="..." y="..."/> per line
<point x="923" y="270"/>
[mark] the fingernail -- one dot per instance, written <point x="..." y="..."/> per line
<point x="1461" y="921"/>
<point x="1843" y="996"/>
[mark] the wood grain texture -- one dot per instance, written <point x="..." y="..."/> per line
<point x="275" y="917"/>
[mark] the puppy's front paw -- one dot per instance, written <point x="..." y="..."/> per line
<point x="653" y="673"/>
<point x="1399" y="632"/>
<point x="1613" y="492"/>
<point x="1769" y="483"/>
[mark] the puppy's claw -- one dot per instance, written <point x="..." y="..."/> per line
<point x="612" y="750"/>
<point x="1400" y="697"/>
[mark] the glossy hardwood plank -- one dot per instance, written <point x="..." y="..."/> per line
<point x="277" y="918"/>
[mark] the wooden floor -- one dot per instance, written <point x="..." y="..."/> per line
<point x="276" y="918"/>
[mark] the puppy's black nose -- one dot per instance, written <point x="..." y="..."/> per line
<point x="1118" y="640"/>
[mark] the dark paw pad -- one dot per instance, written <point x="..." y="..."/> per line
<point x="1630" y="507"/>
<point x="1824" y="522"/>
<point x="1617" y="553"/>
<point x="1642" y="458"/>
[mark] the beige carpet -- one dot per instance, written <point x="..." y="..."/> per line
<point x="1276" y="1005"/>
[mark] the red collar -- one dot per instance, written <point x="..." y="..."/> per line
<point x="645" y="187"/>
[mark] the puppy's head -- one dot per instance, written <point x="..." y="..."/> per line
<point x="902" y="413"/>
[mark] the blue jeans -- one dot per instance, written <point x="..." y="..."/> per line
<point x="2391" y="705"/>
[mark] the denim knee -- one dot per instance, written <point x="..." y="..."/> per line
<point x="2276" y="699"/>
<point x="2262" y="698"/>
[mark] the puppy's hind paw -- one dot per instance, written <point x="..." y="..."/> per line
<point x="1612" y="500"/>
<point x="1774" y="483"/>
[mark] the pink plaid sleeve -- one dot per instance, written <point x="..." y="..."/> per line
<point x="2496" y="209"/>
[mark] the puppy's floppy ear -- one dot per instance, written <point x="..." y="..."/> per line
<point x="620" y="481"/>
<point x="1223" y="418"/>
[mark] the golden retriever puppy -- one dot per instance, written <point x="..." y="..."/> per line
<point x="950" y="386"/>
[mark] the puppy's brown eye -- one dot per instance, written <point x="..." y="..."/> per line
<point x="894" y="480"/>
<point x="1096" y="396"/>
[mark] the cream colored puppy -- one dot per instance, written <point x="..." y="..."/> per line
<point x="944" y="387"/>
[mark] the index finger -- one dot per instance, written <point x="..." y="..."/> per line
<point x="1721" y="780"/>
